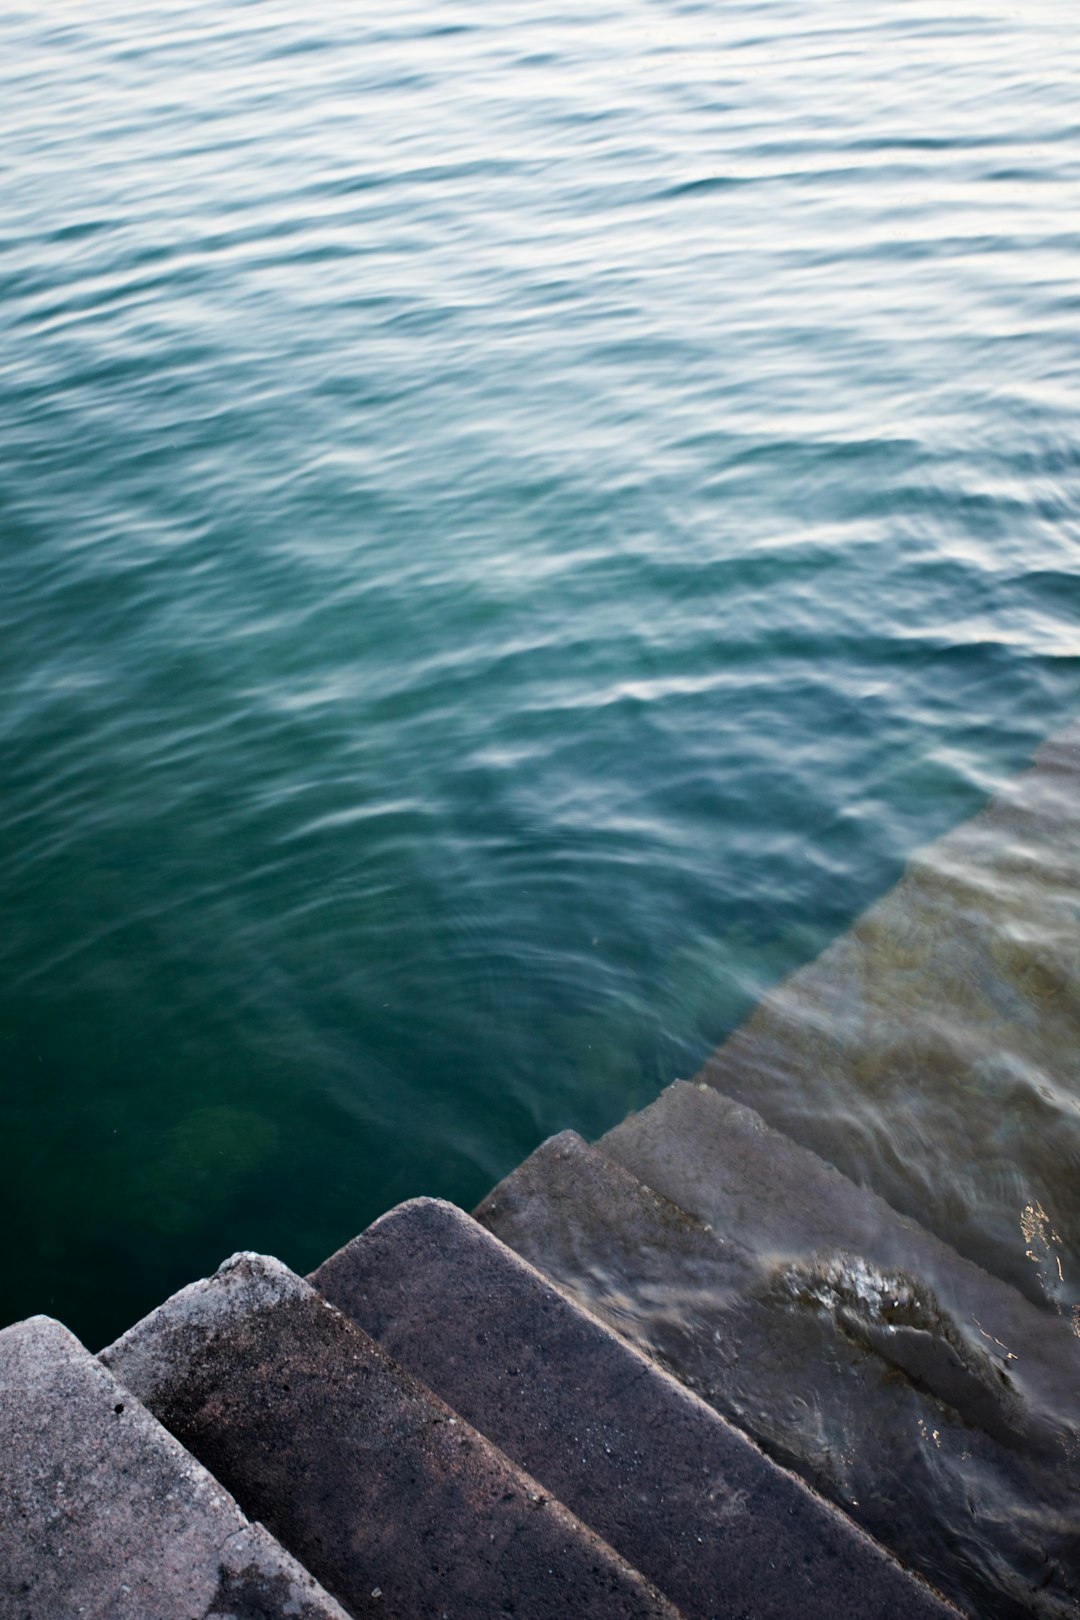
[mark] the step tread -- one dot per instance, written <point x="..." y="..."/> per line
<point x="398" y="1505"/>
<point x="719" y="1160"/>
<point x="656" y="1471"/>
<point x="104" y="1513"/>
<point x="902" y="1427"/>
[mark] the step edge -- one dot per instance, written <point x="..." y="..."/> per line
<point x="267" y="1282"/>
<point x="651" y="1367"/>
<point x="246" y="1538"/>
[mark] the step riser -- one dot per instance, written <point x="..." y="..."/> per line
<point x="698" y="1509"/>
<point x="787" y="1368"/>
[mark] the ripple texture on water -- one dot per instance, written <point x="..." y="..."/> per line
<point x="513" y="524"/>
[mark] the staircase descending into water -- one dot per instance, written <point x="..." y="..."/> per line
<point x="933" y="1403"/>
<point x="689" y="1371"/>
<point x="693" y="1370"/>
<point x="426" y="1427"/>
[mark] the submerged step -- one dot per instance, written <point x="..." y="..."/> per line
<point x="932" y="1052"/>
<point x="104" y="1513"/>
<point x="718" y="1160"/>
<point x="670" y="1484"/>
<point x="842" y="1371"/>
<point x="397" y="1504"/>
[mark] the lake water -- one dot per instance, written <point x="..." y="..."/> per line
<point x="515" y="523"/>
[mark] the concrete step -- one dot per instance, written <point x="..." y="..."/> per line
<point x="699" y="1509"/>
<point x="719" y="1161"/>
<point x="932" y="1052"/>
<point x="399" y="1507"/>
<point x="103" y="1513"/>
<point x="848" y="1372"/>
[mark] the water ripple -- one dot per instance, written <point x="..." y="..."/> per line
<point x="512" y="529"/>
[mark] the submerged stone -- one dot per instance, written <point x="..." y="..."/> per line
<point x="848" y="1344"/>
<point x="933" y="1051"/>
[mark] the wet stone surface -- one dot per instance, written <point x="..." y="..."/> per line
<point x="671" y="1485"/>
<point x="878" y="1415"/>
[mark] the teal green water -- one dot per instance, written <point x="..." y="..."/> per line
<point x="514" y="522"/>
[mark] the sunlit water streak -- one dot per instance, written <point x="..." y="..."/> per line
<point x="515" y="524"/>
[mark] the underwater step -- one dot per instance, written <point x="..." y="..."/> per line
<point x="848" y="1374"/>
<point x="932" y="1052"/>
<point x="665" y="1480"/>
<point x="719" y="1161"/>
<point x="104" y="1513"/>
<point x="397" y="1504"/>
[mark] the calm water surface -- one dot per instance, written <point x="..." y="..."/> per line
<point x="514" y="524"/>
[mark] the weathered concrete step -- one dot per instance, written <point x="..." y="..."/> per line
<point x="819" y="1363"/>
<point x="719" y="1161"/>
<point x="700" y="1510"/>
<point x="104" y="1514"/>
<point x="398" y="1506"/>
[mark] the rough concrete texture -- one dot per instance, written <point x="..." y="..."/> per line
<point x="104" y="1514"/>
<point x="391" y="1499"/>
<point x="846" y="1372"/>
<point x="933" y="1051"/>
<point x="699" y="1509"/>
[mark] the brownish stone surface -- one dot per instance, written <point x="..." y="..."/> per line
<point x="104" y="1514"/>
<point x="699" y="1509"/>
<point x="932" y="1052"/>
<point x="399" y="1506"/>
<point x="849" y="1373"/>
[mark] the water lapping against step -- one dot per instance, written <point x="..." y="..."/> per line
<point x="933" y="1052"/>
<point x="930" y="1054"/>
<point x="513" y="528"/>
<point x="931" y="1402"/>
<point x="897" y="1317"/>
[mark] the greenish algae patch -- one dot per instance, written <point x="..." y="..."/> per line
<point x="202" y="1158"/>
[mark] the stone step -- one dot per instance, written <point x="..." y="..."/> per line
<point x="932" y="1052"/>
<point x="399" y="1506"/>
<point x="848" y="1372"/>
<point x="719" y="1161"/>
<point x="104" y="1513"/>
<point x="698" y="1508"/>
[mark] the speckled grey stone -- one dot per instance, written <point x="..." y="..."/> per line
<point x="699" y="1509"/>
<point x="104" y="1514"/>
<point x="399" y="1506"/>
